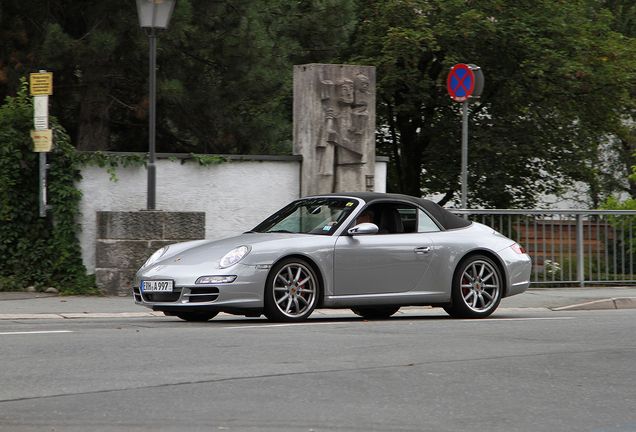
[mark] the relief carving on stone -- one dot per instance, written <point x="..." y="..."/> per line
<point x="342" y="141"/>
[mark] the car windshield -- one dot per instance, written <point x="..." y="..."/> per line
<point x="309" y="216"/>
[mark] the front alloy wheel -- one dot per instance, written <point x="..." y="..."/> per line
<point x="291" y="291"/>
<point x="477" y="288"/>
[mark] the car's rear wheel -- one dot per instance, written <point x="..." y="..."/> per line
<point x="375" y="313"/>
<point x="195" y="316"/>
<point x="291" y="291"/>
<point x="477" y="288"/>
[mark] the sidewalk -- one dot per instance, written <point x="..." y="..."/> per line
<point x="23" y="305"/>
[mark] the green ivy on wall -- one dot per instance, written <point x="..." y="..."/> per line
<point x="34" y="250"/>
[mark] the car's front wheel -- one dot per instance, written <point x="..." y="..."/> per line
<point x="195" y="316"/>
<point x="291" y="291"/>
<point x="477" y="288"/>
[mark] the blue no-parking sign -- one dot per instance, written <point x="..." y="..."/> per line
<point x="465" y="81"/>
<point x="461" y="82"/>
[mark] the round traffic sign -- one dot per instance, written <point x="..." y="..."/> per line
<point x="461" y="82"/>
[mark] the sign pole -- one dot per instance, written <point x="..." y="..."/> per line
<point x="41" y="86"/>
<point x="43" y="167"/>
<point x="464" y="153"/>
<point x="465" y="82"/>
<point x="41" y="122"/>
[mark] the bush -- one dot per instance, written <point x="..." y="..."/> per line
<point x="34" y="250"/>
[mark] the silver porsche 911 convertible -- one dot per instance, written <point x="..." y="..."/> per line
<point x="370" y="252"/>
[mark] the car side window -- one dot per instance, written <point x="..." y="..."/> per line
<point x="400" y="219"/>
<point x="408" y="215"/>
<point x="425" y="223"/>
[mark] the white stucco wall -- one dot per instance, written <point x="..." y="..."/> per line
<point x="235" y="196"/>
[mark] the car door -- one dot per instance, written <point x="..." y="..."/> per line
<point x="383" y="263"/>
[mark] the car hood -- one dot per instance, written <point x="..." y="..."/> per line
<point x="210" y="252"/>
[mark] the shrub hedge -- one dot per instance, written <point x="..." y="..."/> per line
<point x="38" y="251"/>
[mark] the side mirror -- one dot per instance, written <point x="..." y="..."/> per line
<point x="363" y="228"/>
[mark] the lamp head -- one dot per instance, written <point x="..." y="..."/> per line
<point x="155" y="13"/>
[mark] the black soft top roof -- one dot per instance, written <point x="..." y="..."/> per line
<point x="447" y="219"/>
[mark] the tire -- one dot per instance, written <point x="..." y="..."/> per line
<point x="291" y="291"/>
<point x="375" y="313"/>
<point x="195" y="316"/>
<point x="477" y="288"/>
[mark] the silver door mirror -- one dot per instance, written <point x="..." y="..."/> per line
<point x="363" y="228"/>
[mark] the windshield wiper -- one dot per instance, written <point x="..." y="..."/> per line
<point x="282" y="231"/>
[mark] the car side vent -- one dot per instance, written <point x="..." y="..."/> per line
<point x="202" y="295"/>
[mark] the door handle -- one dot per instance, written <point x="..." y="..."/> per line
<point x="422" y="250"/>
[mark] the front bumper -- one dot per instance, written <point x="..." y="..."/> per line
<point x="199" y="296"/>
<point x="245" y="293"/>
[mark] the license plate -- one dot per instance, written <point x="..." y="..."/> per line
<point x="157" y="286"/>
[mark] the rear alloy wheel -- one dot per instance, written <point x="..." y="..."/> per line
<point x="375" y="313"/>
<point x="477" y="288"/>
<point x="291" y="291"/>
<point x="195" y="316"/>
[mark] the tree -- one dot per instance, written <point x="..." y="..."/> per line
<point x="618" y="157"/>
<point x="557" y="82"/>
<point x="223" y="69"/>
<point x="558" y="96"/>
<point x="234" y="69"/>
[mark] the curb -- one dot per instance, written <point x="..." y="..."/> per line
<point x="81" y="315"/>
<point x="605" y="304"/>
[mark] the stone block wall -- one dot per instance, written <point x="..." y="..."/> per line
<point x="125" y="240"/>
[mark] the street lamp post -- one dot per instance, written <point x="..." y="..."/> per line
<point x="154" y="15"/>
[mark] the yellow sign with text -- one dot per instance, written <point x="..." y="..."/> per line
<point x="42" y="140"/>
<point x="41" y="83"/>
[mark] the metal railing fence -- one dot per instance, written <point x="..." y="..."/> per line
<point x="570" y="247"/>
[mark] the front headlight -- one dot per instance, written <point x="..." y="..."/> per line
<point x="234" y="256"/>
<point x="155" y="257"/>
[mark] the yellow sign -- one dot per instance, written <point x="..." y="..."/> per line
<point x="41" y="83"/>
<point x="42" y="140"/>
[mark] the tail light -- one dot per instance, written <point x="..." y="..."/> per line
<point x="518" y="248"/>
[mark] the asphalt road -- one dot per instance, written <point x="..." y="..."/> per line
<point x="520" y="370"/>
